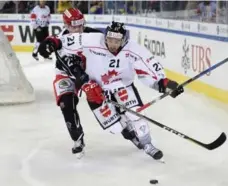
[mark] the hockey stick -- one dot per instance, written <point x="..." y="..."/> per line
<point x="183" y="84"/>
<point x="215" y="144"/>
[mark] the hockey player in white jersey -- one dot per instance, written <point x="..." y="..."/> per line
<point x="40" y="20"/>
<point x="112" y="61"/>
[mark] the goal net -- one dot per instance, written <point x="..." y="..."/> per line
<point x="14" y="87"/>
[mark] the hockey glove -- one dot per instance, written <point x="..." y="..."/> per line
<point x="72" y="61"/>
<point x="93" y="92"/>
<point x="163" y="84"/>
<point x="73" y="65"/>
<point x="48" y="46"/>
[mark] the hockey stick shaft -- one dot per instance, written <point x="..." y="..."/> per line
<point x="183" y="84"/>
<point x="218" y="142"/>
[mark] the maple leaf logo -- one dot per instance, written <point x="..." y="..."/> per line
<point x="108" y="76"/>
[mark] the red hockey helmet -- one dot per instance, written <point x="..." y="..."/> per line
<point x="73" y="17"/>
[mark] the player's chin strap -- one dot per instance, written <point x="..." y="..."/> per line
<point x="183" y="84"/>
<point x="215" y="144"/>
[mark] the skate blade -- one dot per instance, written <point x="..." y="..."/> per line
<point x="48" y="59"/>
<point x="80" y="155"/>
<point x="161" y="160"/>
<point x="37" y="59"/>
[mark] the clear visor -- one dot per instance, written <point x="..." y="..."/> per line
<point x="77" y="22"/>
<point x="114" y="35"/>
<point x="77" y="26"/>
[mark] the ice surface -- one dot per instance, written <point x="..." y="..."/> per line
<point x="36" y="147"/>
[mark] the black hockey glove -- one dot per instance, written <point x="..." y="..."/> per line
<point x="74" y="66"/>
<point x="71" y="62"/>
<point x="48" y="46"/>
<point x="165" y="84"/>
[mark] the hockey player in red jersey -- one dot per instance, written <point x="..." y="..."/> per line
<point x="66" y="92"/>
<point x="112" y="61"/>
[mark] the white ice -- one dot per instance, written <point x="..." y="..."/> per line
<point x="35" y="147"/>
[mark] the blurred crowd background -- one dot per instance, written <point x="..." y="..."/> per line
<point x="205" y="11"/>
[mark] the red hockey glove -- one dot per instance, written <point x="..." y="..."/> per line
<point x="163" y="84"/>
<point x="93" y="92"/>
<point x="83" y="59"/>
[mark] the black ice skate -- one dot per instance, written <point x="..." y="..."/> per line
<point x="34" y="55"/>
<point x="153" y="151"/>
<point x="78" y="148"/>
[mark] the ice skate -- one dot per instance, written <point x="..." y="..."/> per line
<point x="35" y="56"/>
<point x="153" y="151"/>
<point x="78" y="149"/>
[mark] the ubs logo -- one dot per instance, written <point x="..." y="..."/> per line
<point x="196" y="57"/>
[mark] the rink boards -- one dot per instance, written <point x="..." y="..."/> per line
<point x="184" y="48"/>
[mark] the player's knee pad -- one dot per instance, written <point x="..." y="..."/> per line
<point x="68" y="101"/>
<point x="140" y="127"/>
<point x="142" y="131"/>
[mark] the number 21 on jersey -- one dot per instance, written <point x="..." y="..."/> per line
<point x="114" y="63"/>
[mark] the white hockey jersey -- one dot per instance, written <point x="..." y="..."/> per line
<point x="62" y="32"/>
<point x="40" y="17"/>
<point x="114" y="71"/>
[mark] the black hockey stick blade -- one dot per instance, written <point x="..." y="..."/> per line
<point x="211" y="146"/>
<point x="215" y="144"/>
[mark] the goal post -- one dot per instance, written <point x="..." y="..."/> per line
<point x="14" y="86"/>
